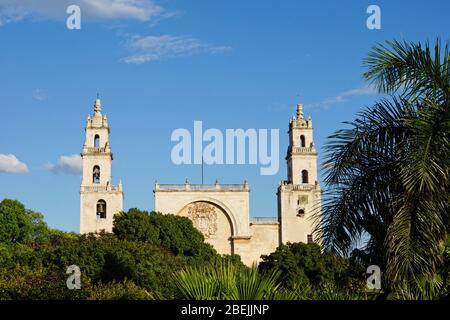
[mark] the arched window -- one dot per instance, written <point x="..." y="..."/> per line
<point x="96" y="175"/>
<point x="304" y="176"/>
<point x="101" y="209"/>
<point x="96" y="141"/>
<point x="301" y="213"/>
<point x="302" y="141"/>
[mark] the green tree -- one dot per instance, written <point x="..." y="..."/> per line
<point x="106" y="259"/>
<point x="17" y="254"/>
<point x="135" y="225"/>
<point x="303" y="264"/>
<point x="18" y="224"/>
<point x="23" y="283"/>
<point x="387" y="176"/>
<point x="172" y="232"/>
<point x="137" y="262"/>
<point x="126" y="290"/>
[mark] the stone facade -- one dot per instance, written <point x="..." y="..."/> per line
<point x="229" y="227"/>
<point x="220" y="211"/>
<point x="227" y="222"/>
<point x="299" y="195"/>
<point x="99" y="198"/>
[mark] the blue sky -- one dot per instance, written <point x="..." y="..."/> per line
<point x="160" y="65"/>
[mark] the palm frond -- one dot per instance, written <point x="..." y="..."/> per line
<point x="409" y="67"/>
<point x="387" y="176"/>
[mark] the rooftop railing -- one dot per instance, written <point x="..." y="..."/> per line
<point x="285" y="185"/>
<point x="264" y="220"/>
<point x="100" y="188"/>
<point x="201" y="187"/>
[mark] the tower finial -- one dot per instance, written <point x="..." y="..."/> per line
<point x="97" y="105"/>
<point x="299" y="111"/>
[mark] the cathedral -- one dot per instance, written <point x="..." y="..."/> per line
<point x="220" y="212"/>
<point x="99" y="198"/>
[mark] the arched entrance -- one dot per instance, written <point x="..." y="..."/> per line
<point x="213" y="222"/>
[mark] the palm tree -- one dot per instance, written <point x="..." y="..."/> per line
<point x="387" y="176"/>
<point x="224" y="281"/>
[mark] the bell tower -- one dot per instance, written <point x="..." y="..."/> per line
<point x="299" y="195"/>
<point x="99" y="198"/>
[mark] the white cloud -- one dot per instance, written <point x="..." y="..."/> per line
<point x="71" y="164"/>
<point x="39" y="95"/>
<point x="345" y="96"/>
<point x="367" y="90"/>
<point x="9" y="14"/>
<point x="142" y="49"/>
<point x="141" y="10"/>
<point x="219" y="49"/>
<point x="151" y="48"/>
<point x="10" y="164"/>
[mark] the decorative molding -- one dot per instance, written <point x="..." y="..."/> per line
<point x="204" y="217"/>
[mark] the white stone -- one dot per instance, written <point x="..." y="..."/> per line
<point x="91" y="193"/>
<point x="221" y="212"/>
<point x="238" y="234"/>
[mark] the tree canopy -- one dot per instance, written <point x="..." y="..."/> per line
<point x="387" y="175"/>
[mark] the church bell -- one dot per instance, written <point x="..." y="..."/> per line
<point x="101" y="208"/>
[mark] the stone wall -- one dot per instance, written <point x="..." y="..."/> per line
<point x="221" y="213"/>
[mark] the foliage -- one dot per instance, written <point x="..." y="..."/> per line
<point x="22" y="283"/>
<point x="223" y="281"/>
<point x="424" y="288"/>
<point x="387" y="176"/>
<point x="126" y="290"/>
<point x="330" y="291"/>
<point x="18" y="224"/>
<point x="135" y="225"/>
<point x="169" y="231"/>
<point x="104" y="258"/>
<point x="12" y="254"/>
<point x="303" y="265"/>
<point x="135" y="263"/>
